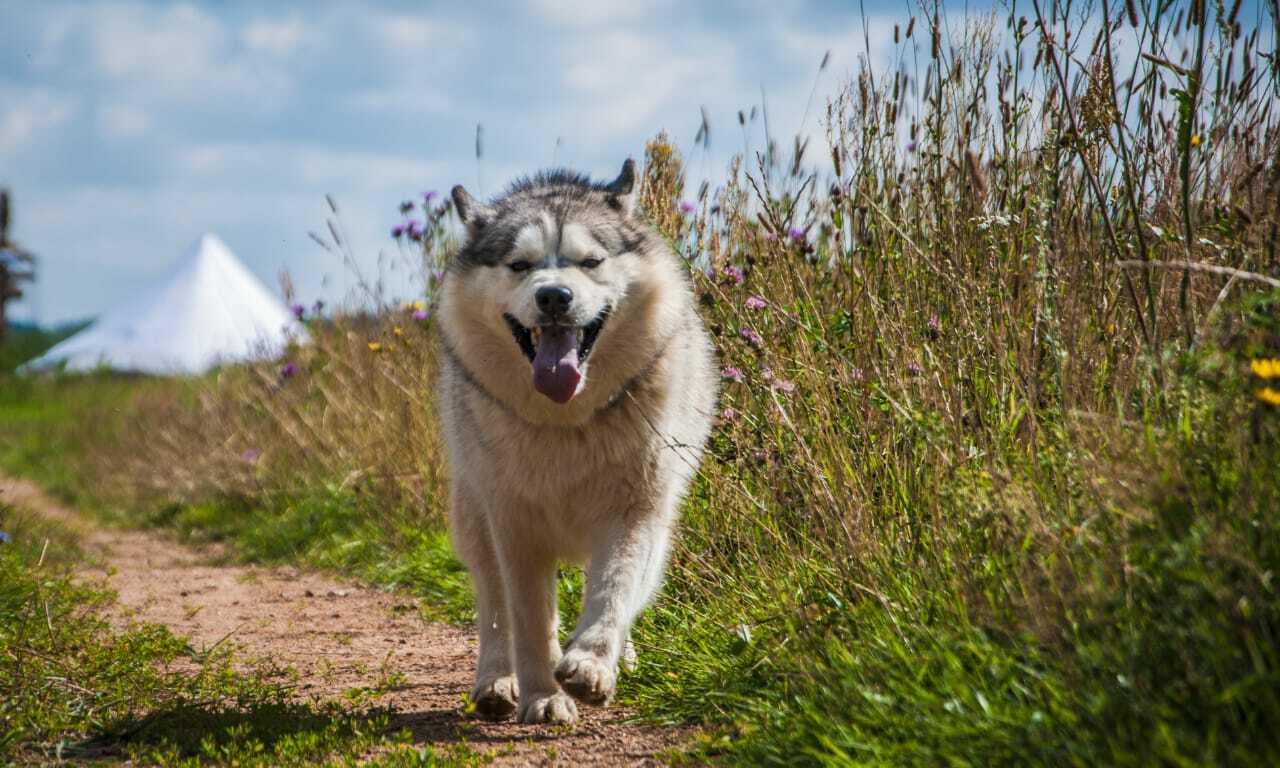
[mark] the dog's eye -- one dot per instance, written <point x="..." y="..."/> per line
<point x="590" y="263"/>
<point x="519" y="266"/>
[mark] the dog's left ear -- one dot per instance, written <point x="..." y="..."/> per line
<point x="622" y="191"/>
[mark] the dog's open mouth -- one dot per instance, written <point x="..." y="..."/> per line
<point x="558" y="353"/>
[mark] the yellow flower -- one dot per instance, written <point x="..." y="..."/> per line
<point x="1195" y="139"/>
<point x="375" y="346"/>
<point x="1266" y="369"/>
<point x="398" y="331"/>
<point x="1269" y="396"/>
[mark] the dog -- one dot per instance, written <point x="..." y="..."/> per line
<point x="576" y="392"/>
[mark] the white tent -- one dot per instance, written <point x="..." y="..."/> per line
<point x="210" y="309"/>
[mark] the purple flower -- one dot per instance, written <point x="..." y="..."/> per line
<point x="752" y="337"/>
<point x="406" y="206"/>
<point x="421" y="315"/>
<point x="857" y="375"/>
<point x="731" y="373"/>
<point x="289" y="370"/>
<point x="911" y="147"/>
<point x="250" y="455"/>
<point x="770" y="236"/>
<point x="428" y="196"/>
<point x="728" y="414"/>
<point x="766" y="373"/>
<point x="784" y="386"/>
<point x="935" y="324"/>
<point x="914" y="369"/>
<point x="414" y="230"/>
<point x="318" y="307"/>
<point x="687" y="207"/>
<point x="756" y="302"/>
<point x="797" y="234"/>
<point x="397" y="231"/>
<point x="734" y="273"/>
<point x="298" y="311"/>
<point x="5" y="538"/>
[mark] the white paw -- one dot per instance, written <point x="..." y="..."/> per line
<point x="555" y="708"/>
<point x="586" y="677"/>
<point x="496" y="698"/>
<point x="629" y="657"/>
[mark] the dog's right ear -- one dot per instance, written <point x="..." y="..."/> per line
<point x="472" y="212"/>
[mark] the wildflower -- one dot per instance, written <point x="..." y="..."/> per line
<point x="914" y="369"/>
<point x="784" y="386"/>
<point x="857" y="375"/>
<point x="756" y="302"/>
<point x="397" y="231"/>
<point x="375" y="346"/>
<point x="289" y="370"/>
<point x="250" y="455"/>
<point x="797" y="234"/>
<point x="1266" y="369"/>
<point x="770" y="236"/>
<point x="1269" y="396"/>
<point x="5" y="538"/>
<point x="414" y="230"/>
<point x="1195" y="139"/>
<point x="298" y="311"/>
<point x="934" y="327"/>
<point x="318" y="307"/>
<point x="420" y="315"/>
<point x="398" y="331"/>
<point x="416" y="306"/>
<point x="686" y="207"/>
<point x="406" y="206"/>
<point x="731" y="373"/>
<point x="911" y="146"/>
<point x="428" y="196"/>
<point x="766" y="373"/>
<point x="734" y="273"/>
<point x="437" y="276"/>
<point x="752" y="337"/>
<point x="728" y="414"/>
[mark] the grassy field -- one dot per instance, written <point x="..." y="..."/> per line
<point x="995" y="479"/>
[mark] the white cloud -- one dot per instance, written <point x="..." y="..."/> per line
<point x="122" y="121"/>
<point x="279" y="37"/>
<point x="407" y="34"/>
<point x="28" y="114"/>
<point x="590" y="13"/>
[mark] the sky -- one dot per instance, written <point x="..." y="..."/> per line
<point x="127" y="129"/>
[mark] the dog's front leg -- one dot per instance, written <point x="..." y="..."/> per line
<point x="529" y="574"/>
<point x="624" y="573"/>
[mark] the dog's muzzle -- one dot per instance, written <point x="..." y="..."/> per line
<point x="558" y="353"/>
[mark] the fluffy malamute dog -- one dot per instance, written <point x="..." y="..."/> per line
<point x="576" y="391"/>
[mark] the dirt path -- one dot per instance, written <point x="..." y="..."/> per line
<point x="338" y="636"/>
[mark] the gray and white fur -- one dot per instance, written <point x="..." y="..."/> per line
<point x="576" y="393"/>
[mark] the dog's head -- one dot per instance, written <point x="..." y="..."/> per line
<point x="548" y="265"/>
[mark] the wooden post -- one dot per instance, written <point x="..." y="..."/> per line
<point x="16" y="265"/>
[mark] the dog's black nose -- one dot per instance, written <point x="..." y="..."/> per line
<point x="554" y="299"/>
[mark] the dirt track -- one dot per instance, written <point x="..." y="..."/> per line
<point x="337" y="636"/>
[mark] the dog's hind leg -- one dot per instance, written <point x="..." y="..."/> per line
<point x="496" y="691"/>
<point x="624" y="573"/>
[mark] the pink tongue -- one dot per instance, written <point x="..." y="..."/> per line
<point x="555" y="364"/>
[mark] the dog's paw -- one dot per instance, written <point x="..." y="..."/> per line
<point x="586" y="677"/>
<point x="496" y="698"/>
<point x="553" y="708"/>
<point x="629" y="657"/>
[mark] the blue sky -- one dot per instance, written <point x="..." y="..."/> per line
<point x="128" y="129"/>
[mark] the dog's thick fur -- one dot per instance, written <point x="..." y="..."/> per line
<point x="596" y="479"/>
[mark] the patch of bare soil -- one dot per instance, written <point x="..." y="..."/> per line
<point x="337" y="636"/>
